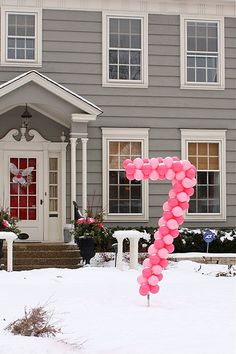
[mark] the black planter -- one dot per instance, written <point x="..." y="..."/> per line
<point x="87" y="248"/>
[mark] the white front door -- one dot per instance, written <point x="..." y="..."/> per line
<point x="23" y="192"/>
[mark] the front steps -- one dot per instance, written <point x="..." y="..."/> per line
<point x="27" y="256"/>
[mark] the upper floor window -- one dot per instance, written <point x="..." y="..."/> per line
<point x="202" y="52"/>
<point x="205" y="149"/>
<point x="21" y="38"/>
<point x="124" y="51"/>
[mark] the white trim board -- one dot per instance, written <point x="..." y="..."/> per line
<point x="191" y="7"/>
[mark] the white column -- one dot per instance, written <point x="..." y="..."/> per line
<point x="73" y="173"/>
<point x="84" y="173"/>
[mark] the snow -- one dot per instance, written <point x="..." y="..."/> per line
<point x="100" y="311"/>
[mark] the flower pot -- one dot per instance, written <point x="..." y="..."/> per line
<point x="87" y="248"/>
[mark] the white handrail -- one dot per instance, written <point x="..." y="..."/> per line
<point x="10" y="237"/>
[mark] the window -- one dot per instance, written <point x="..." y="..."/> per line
<point x="53" y="187"/>
<point x="123" y="199"/>
<point x="124" y="51"/>
<point x="21" y="42"/>
<point x="206" y="151"/>
<point x="202" y="50"/>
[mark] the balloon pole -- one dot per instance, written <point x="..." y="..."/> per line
<point x="148" y="300"/>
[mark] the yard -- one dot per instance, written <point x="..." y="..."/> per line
<point x="100" y="311"/>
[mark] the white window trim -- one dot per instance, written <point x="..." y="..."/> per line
<point x="209" y="136"/>
<point x="37" y="62"/>
<point x="143" y="83"/>
<point x="122" y="134"/>
<point x="220" y="85"/>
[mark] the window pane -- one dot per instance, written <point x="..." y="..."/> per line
<point x="136" y="26"/>
<point x="201" y="75"/>
<point x="124" y="192"/>
<point x="113" y="71"/>
<point x="135" y="41"/>
<point x="202" y="177"/>
<point x="202" y="191"/>
<point x="123" y="57"/>
<point x="123" y="72"/>
<point x="213" y="177"/>
<point x="122" y="178"/>
<point x="113" y="190"/>
<point x="125" y="148"/>
<point x="202" y="206"/>
<point x="114" y="40"/>
<point x="136" y="148"/>
<point x="190" y="61"/>
<point x="202" y="163"/>
<point x="193" y="160"/>
<point x="191" y="29"/>
<point x="11" y="54"/>
<point x="214" y="191"/>
<point x="113" y="177"/>
<point x="201" y="62"/>
<point x="134" y="57"/>
<point x="113" y="162"/>
<point x="124" y="26"/>
<point x="20" y="43"/>
<point x="191" y="75"/>
<point x="192" y="206"/>
<point x="212" y="45"/>
<point x="201" y="44"/>
<point x="124" y="41"/>
<point x="213" y="149"/>
<point x="201" y="29"/>
<point x="192" y="149"/>
<point x="191" y="44"/>
<point x="213" y="163"/>
<point x="211" y="75"/>
<point x="30" y="43"/>
<point x="136" y="206"/>
<point x="124" y="206"/>
<point x="136" y="192"/>
<point x="114" y="147"/>
<point x="212" y="62"/>
<point x="20" y="54"/>
<point x="214" y="206"/>
<point x="113" y="206"/>
<point x="113" y="23"/>
<point x="202" y="149"/>
<point x="135" y="73"/>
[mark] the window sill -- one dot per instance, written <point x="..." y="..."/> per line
<point x="208" y="217"/>
<point x="125" y="84"/>
<point x="21" y="64"/>
<point x="202" y="87"/>
<point x="125" y="218"/>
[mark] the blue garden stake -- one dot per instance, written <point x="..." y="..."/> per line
<point x="208" y="236"/>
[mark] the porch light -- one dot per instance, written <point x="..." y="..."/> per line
<point x="26" y="117"/>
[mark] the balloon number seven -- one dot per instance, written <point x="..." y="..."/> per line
<point x="182" y="174"/>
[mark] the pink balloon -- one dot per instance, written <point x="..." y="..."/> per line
<point x="154" y="259"/>
<point x="154" y="163"/>
<point x="138" y="162"/>
<point x="173" y="202"/>
<point x="159" y="244"/>
<point x="182" y="197"/>
<point x="147" y="169"/>
<point x="157" y="235"/>
<point x="161" y="222"/>
<point x="167" y="215"/>
<point x="130" y="176"/>
<point x="180" y="175"/>
<point x="163" y="264"/>
<point x="166" y="207"/>
<point x="189" y="191"/>
<point x="130" y="168"/>
<point x="152" y="249"/>
<point x="157" y="269"/>
<point x="153" y="280"/>
<point x="174" y="233"/>
<point x="168" y="161"/>
<point x="177" y="166"/>
<point x="141" y="280"/>
<point x="186" y="164"/>
<point x="147" y="272"/>
<point x="178" y="187"/>
<point x="170" y="248"/>
<point x="154" y="289"/>
<point x="184" y="205"/>
<point x="160" y="276"/>
<point x="138" y="175"/>
<point x="187" y="182"/>
<point x="126" y="162"/>
<point x="154" y="175"/>
<point x="191" y="173"/>
<point x="180" y="220"/>
<point x="172" y="224"/>
<point x="144" y="289"/>
<point x="170" y="174"/>
<point x="168" y="239"/>
<point x="172" y="193"/>
<point x="164" y="230"/>
<point x="147" y="263"/>
<point x="163" y="253"/>
<point x="177" y="211"/>
<point x="162" y="169"/>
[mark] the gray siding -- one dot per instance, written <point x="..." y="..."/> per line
<point x="72" y="55"/>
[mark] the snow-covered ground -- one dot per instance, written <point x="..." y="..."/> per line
<point x="100" y="311"/>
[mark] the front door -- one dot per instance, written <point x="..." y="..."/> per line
<point x="24" y="191"/>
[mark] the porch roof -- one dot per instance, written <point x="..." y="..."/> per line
<point x="47" y="96"/>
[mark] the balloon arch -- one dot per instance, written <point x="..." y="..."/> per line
<point x="182" y="174"/>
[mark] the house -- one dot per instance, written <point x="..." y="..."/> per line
<point x="87" y="84"/>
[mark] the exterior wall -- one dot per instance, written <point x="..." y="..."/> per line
<point x="72" y="55"/>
